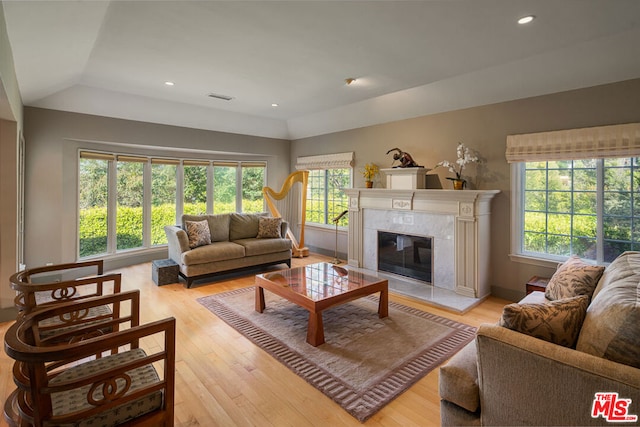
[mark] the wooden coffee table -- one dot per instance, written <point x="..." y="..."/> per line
<point x="317" y="287"/>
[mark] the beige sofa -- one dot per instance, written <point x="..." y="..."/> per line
<point x="506" y="377"/>
<point x="236" y="243"/>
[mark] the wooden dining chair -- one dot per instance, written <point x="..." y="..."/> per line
<point x="60" y="382"/>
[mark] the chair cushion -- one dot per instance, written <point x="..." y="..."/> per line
<point x="459" y="379"/>
<point x="59" y="325"/>
<point x="574" y="277"/>
<point x="557" y="321"/>
<point x="75" y="400"/>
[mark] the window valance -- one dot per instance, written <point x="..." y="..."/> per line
<point x="325" y="161"/>
<point x="573" y="144"/>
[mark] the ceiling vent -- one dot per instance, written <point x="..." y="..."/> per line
<point x="218" y="96"/>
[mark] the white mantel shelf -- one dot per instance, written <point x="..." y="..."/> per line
<point x="465" y="234"/>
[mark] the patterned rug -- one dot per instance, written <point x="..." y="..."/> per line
<point x="365" y="361"/>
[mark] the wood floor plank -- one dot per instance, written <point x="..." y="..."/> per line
<point x="222" y="379"/>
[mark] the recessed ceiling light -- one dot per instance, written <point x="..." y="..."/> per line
<point x="350" y="80"/>
<point x="526" y="19"/>
<point x="168" y="83"/>
<point x="274" y="105"/>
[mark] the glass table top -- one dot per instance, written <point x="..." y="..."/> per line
<point x="320" y="281"/>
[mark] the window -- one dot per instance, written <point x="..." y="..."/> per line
<point x="325" y="198"/>
<point x="130" y="197"/>
<point x="561" y="214"/>
<point x="328" y="175"/>
<point x="225" y="188"/>
<point x="93" y="182"/>
<point x="582" y="206"/>
<point x="124" y="202"/>
<point x="163" y="197"/>
<point x="195" y="187"/>
<point x="253" y="180"/>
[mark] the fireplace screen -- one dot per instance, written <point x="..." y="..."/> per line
<point x="406" y="255"/>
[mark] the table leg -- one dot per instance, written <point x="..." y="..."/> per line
<point x="315" y="330"/>
<point x="260" y="305"/>
<point x="383" y="304"/>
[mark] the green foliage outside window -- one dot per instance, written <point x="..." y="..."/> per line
<point x="93" y="183"/>
<point x="560" y="207"/>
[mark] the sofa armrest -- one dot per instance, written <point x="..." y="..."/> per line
<point x="178" y="242"/>
<point x="528" y="381"/>
<point x="284" y="227"/>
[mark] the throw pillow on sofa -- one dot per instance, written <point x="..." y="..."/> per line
<point x="574" y="277"/>
<point x="558" y="322"/>
<point x="269" y="227"/>
<point x="198" y="232"/>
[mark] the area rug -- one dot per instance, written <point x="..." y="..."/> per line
<point x="365" y="361"/>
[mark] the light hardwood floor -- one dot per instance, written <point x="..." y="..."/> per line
<point x="222" y="379"/>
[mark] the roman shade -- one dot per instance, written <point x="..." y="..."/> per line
<point x="574" y="144"/>
<point x="325" y="161"/>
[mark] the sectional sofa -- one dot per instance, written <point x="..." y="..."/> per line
<point x="567" y="356"/>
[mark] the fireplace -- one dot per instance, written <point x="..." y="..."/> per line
<point x="457" y="222"/>
<point x="406" y="255"/>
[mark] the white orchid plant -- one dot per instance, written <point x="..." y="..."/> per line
<point x="465" y="156"/>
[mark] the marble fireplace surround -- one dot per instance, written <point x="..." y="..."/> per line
<point x="458" y="221"/>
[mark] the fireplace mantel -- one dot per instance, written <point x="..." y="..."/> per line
<point x="463" y="227"/>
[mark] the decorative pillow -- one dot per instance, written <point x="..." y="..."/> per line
<point x="557" y="321"/>
<point x="269" y="227"/>
<point x="198" y="232"/>
<point x="574" y="277"/>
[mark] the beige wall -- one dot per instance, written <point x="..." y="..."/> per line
<point x="433" y="138"/>
<point x="10" y="128"/>
<point x="53" y="139"/>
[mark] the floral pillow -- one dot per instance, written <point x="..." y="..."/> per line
<point x="198" y="232"/>
<point x="558" y="322"/>
<point x="269" y="227"/>
<point x="574" y="277"/>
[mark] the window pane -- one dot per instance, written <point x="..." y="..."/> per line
<point x="130" y="194"/>
<point x="252" y="183"/>
<point x="163" y="201"/>
<point x="568" y="223"/>
<point x="325" y="198"/>
<point x="337" y="202"/>
<point x="195" y="190"/>
<point x="315" y="197"/>
<point x="93" y="184"/>
<point x="224" y="189"/>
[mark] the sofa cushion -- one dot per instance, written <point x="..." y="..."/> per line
<point x="574" y="277"/>
<point x="269" y="227"/>
<point x="243" y="226"/>
<point x="198" y="232"/>
<point x="556" y="321"/>
<point x="257" y="246"/>
<point x="610" y="327"/>
<point x="218" y="225"/>
<point x="217" y="251"/>
<point x="458" y="381"/>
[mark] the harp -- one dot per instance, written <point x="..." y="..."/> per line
<point x="271" y="196"/>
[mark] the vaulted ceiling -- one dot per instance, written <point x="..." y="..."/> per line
<point x="410" y="58"/>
